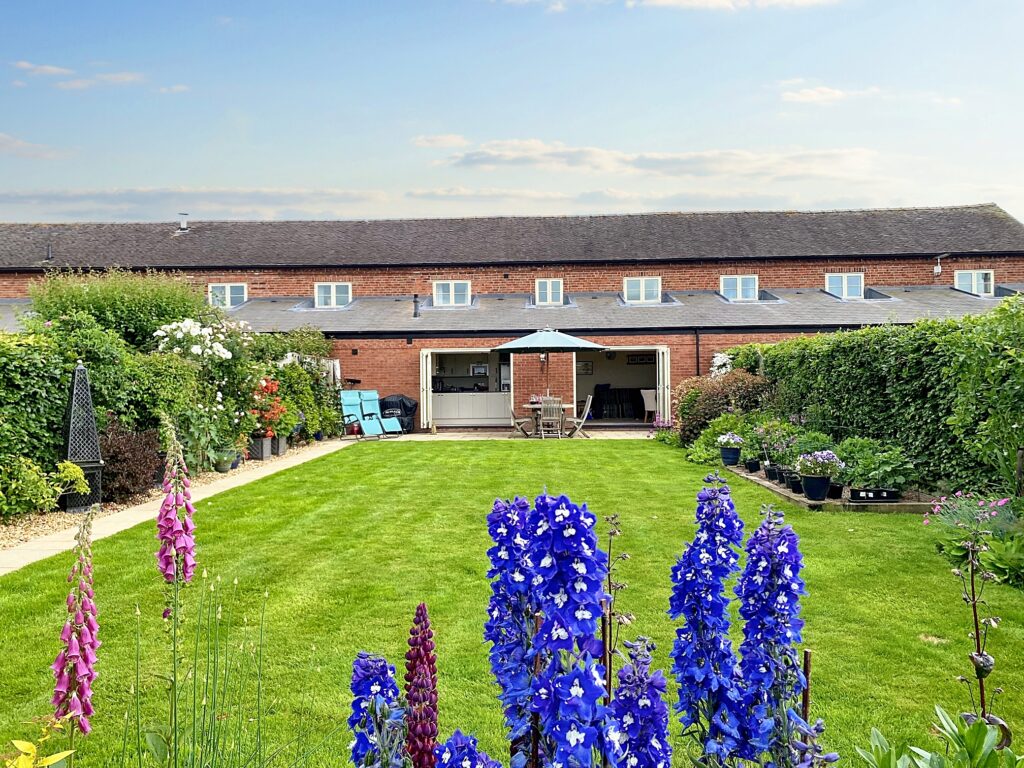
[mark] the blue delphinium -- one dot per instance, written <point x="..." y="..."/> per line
<point x="770" y="589"/>
<point x="374" y="691"/>
<point x="804" y="749"/>
<point x="461" y="751"/>
<point x="640" y="711"/>
<point x="510" y="623"/>
<point x="568" y="572"/>
<point x="710" y="699"/>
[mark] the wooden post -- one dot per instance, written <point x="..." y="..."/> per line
<point x="534" y="716"/>
<point x="805" y="706"/>
<point x="606" y="657"/>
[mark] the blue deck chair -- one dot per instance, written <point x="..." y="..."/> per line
<point x="370" y="401"/>
<point x="352" y="413"/>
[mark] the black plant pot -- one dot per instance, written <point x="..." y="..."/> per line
<point x="318" y="436"/>
<point x="795" y="483"/>
<point x="259" y="448"/>
<point x="237" y="461"/>
<point x="771" y="472"/>
<point x="782" y="477"/>
<point x="874" y="495"/>
<point x="730" y="456"/>
<point x="752" y="465"/>
<point x="279" y="444"/>
<point x="815" y="488"/>
<point x="835" y="490"/>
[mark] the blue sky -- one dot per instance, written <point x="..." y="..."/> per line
<point x="138" y="110"/>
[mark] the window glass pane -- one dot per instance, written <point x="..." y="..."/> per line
<point x="556" y="291"/>
<point x="633" y="289"/>
<point x="218" y="296"/>
<point x="237" y="294"/>
<point x="342" y="294"/>
<point x="834" y="284"/>
<point x="729" y="289"/>
<point x="854" y="286"/>
<point x="652" y="289"/>
<point x="443" y="293"/>
<point x="461" y="293"/>
<point x="542" y="291"/>
<point x="985" y="283"/>
<point x="749" y="285"/>
<point x="965" y="281"/>
<point x="323" y="295"/>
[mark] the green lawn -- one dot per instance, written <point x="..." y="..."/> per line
<point x="349" y="544"/>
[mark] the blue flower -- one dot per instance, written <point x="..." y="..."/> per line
<point x="374" y="691"/>
<point x="704" y="664"/>
<point x="461" y="751"/>
<point x="641" y="712"/>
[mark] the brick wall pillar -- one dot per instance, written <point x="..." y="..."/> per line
<point x="530" y="376"/>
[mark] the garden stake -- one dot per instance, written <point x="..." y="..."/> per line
<point x="535" y="716"/>
<point x="805" y="706"/>
<point x="606" y="657"/>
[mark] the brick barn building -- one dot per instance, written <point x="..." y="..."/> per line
<point x="416" y="306"/>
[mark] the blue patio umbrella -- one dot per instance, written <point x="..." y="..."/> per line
<point x="549" y="340"/>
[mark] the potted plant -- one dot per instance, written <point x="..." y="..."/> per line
<point x="880" y="477"/>
<point x="816" y="472"/>
<point x="795" y="482"/>
<point x="268" y="411"/>
<point x="751" y="461"/>
<point x="729" y="447"/>
<point x="224" y="459"/>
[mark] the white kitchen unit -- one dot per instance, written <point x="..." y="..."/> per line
<point x="470" y="409"/>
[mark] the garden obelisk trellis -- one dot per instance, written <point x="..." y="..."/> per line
<point x="82" y="442"/>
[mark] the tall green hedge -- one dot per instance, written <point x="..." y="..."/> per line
<point x="930" y="387"/>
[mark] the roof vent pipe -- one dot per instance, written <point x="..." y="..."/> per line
<point x="183" y="223"/>
<point x="415" y="305"/>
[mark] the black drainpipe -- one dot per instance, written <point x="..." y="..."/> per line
<point x="415" y="305"/>
<point x="696" y="338"/>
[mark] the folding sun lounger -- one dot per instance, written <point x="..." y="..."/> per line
<point x="352" y="413"/>
<point x="370" y="401"/>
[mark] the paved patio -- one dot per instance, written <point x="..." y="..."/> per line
<point x="62" y="541"/>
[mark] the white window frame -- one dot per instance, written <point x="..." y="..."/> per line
<point x="643" y="289"/>
<point x="227" y="294"/>
<point x="739" y="287"/>
<point x="845" y="279"/>
<point x="975" y="274"/>
<point x="469" y="292"/>
<point x="334" y="295"/>
<point x="550" y="282"/>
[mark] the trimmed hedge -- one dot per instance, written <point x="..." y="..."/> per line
<point x="948" y="392"/>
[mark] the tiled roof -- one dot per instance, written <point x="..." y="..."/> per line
<point x="514" y="240"/>
<point x="605" y="313"/>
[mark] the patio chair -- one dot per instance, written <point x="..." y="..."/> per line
<point x="370" y="402"/>
<point x="519" y="424"/>
<point x="650" y="397"/>
<point x="576" y="424"/>
<point x="352" y="413"/>
<point x="551" y="415"/>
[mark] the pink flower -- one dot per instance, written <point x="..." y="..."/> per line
<point x="74" y="668"/>
<point x="1001" y="502"/>
<point x="927" y="521"/>
<point x="174" y="526"/>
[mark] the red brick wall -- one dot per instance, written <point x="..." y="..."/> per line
<point x="532" y="377"/>
<point x="808" y="273"/>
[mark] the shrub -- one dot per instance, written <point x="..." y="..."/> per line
<point x="700" y="399"/>
<point x="32" y="397"/>
<point x="25" y="488"/>
<point x="131" y="460"/>
<point x="776" y="439"/>
<point x="133" y="305"/>
<point x="706" y="448"/>
<point x="297" y="391"/>
<point x="305" y="341"/>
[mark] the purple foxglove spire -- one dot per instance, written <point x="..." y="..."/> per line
<point x="421" y="691"/>
<point x="74" y="669"/>
<point x="174" y="526"/>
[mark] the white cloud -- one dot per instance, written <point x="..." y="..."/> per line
<point x="486" y="193"/>
<point x="9" y="145"/>
<point x="41" y="69"/>
<point x="441" y="140"/>
<point x="78" y="84"/>
<point x="120" y="78"/>
<point x="777" y="164"/>
<point x="18" y="83"/>
<point x="820" y="94"/>
<point x="825" y="95"/>
<point x="173" y="89"/>
<point x="103" y="78"/>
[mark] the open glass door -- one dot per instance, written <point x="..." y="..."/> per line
<point x="426" y="387"/>
<point x="664" y="385"/>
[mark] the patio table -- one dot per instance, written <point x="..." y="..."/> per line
<point x="534" y="409"/>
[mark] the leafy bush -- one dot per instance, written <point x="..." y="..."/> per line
<point x="25" y="488"/>
<point x="32" y="397"/>
<point x="706" y="449"/>
<point x="888" y="468"/>
<point x="133" y="305"/>
<point x="776" y="439"/>
<point x="297" y="391"/>
<point x="808" y="441"/>
<point x="131" y="460"/>
<point x="700" y="399"/>
<point x="305" y="341"/>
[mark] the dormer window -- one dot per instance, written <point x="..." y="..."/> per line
<point x="452" y="293"/>
<point x="980" y="282"/>
<point x="641" y="290"/>
<point x="332" y="294"/>
<point x="548" y="292"/>
<point x="739" y="287"/>
<point x="226" y="295"/>
<point x="845" y="285"/>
